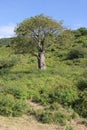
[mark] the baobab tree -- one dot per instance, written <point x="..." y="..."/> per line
<point x="38" y="33"/>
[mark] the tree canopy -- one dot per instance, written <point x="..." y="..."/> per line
<point x="38" y="33"/>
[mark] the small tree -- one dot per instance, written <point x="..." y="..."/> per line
<point x="38" y="33"/>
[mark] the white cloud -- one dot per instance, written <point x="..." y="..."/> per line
<point x="7" y="31"/>
<point x="76" y="26"/>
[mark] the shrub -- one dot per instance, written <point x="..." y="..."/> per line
<point x="60" y="117"/>
<point x="6" y="105"/>
<point x="20" y="107"/>
<point x="5" y="63"/>
<point x="44" y="116"/>
<point x="64" y="94"/>
<point x="31" y="93"/>
<point x="42" y="97"/>
<point x="55" y="106"/>
<point x="1" y="90"/>
<point x="9" y="106"/>
<point x="47" y="116"/>
<point x="80" y="105"/>
<point x="75" y="53"/>
<point x="4" y="72"/>
<point x="74" y="115"/>
<point x="17" y="92"/>
<point x="82" y="84"/>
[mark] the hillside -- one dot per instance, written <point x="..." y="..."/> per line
<point x="5" y="41"/>
<point x="55" y="98"/>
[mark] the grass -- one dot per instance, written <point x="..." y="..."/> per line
<point x="61" y="76"/>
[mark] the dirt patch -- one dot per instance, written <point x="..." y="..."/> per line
<point x="35" y="106"/>
<point x="30" y="123"/>
<point x="24" y="123"/>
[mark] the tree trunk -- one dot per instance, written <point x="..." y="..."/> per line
<point x="41" y="60"/>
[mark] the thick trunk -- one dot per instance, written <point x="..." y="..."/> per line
<point x="41" y="61"/>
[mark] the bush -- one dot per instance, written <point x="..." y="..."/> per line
<point x="6" y="63"/>
<point x="55" y="106"/>
<point x="74" y="115"/>
<point x="82" y="84"/>
<point x="20" y="107"/>
<point x="43" y="99"/>
<point x="60" y="118"/>
<point x="6" y="105"/>
<point x="64" y="94"/>
<point x="9" y="106"/>
<point x="47" y="116"/>
<point x="31" y="93"/>
<point x="44" y="116"/>
<point x="75" y="54"/>
<point x="80" y="105"/>
<point x="41" y="96"/>
<point x="18" y="92"/>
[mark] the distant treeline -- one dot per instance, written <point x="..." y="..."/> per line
<point x="5" y="41"/>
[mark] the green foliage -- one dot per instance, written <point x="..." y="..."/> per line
<point x="18" y="92"/>
<point x="74" y="115"/>
<point x="62" y="84"/>
<point x="44" y="116"/>
<point x="75" y="54"/>
<point x="36" y="34"/>
<point x="80" y="32"/>
<point x="5" y="41"/>
<point x="64" y="94"/>
<point x="65" y="39"/>
<point x="20" y="107"/>
<point x="9" y="106"/>
<point x="80" y="105"/>
<point x="42" y="96"/>
<point x="69" y="128"/>
<point x="82" y="40"/>
<point x="6" y="105"/>
<point x="55" y="106"/>
<point x="5" y="63"/>
<point x="83" y="31"/>
<point x="60" y="117"/>
<point x="82" y="84"/>
<point x="81" y="36"/>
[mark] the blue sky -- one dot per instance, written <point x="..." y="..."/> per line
<point x="12" y="12"/>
